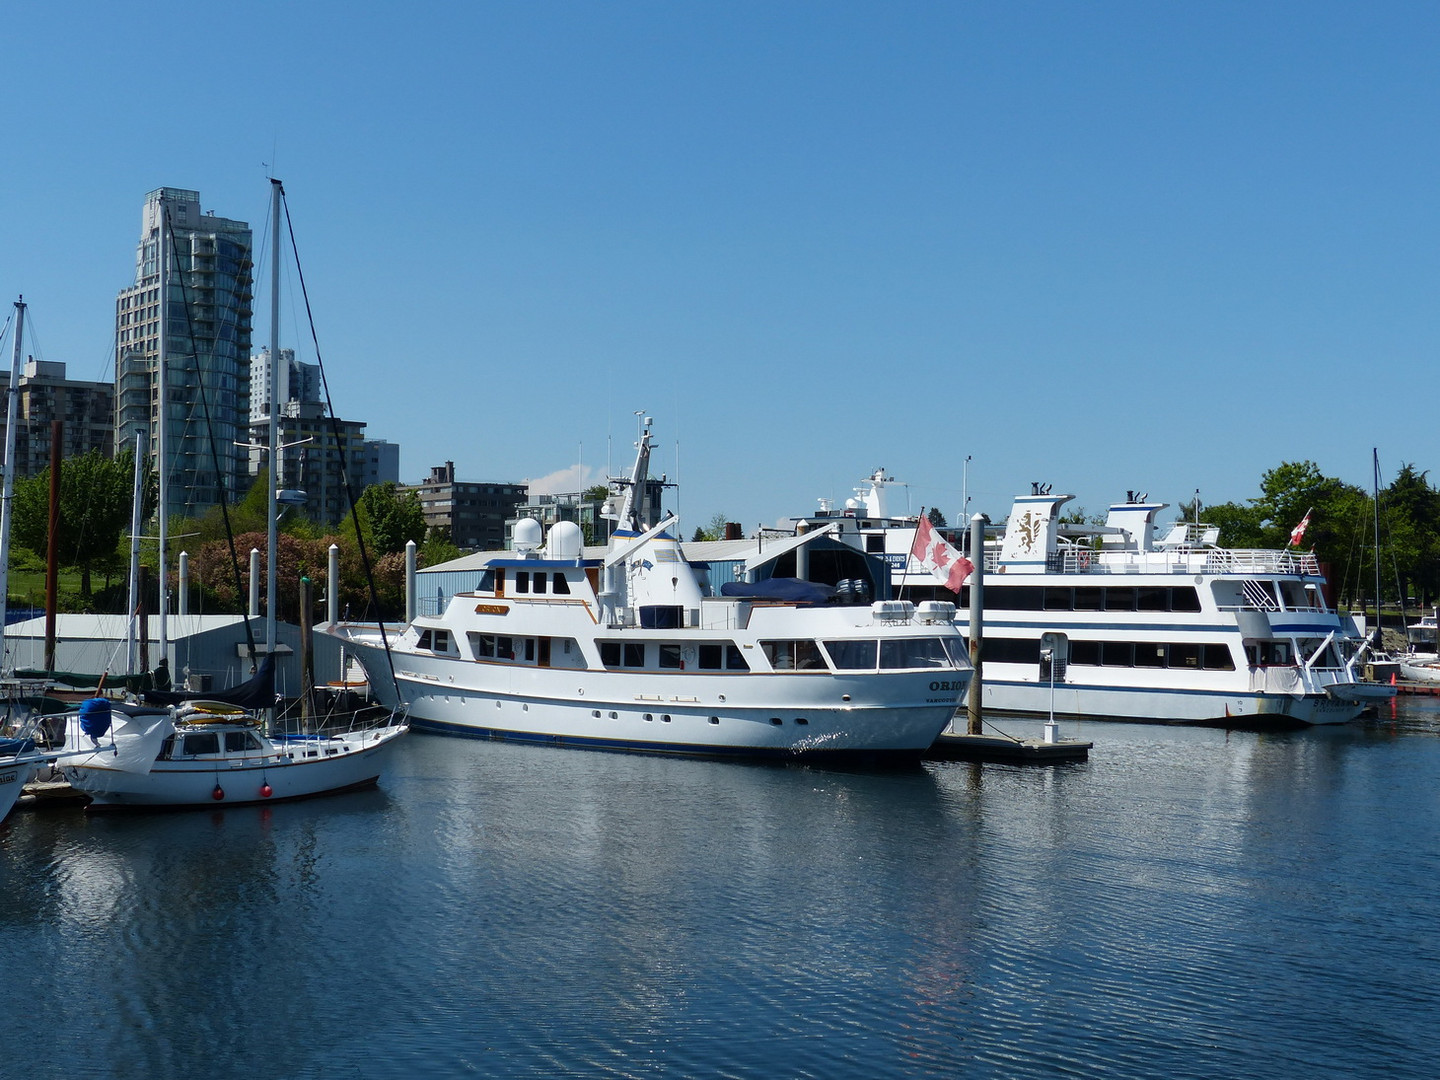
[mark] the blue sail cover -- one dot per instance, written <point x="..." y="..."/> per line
<point x="258" y="692"/>
<point x="792" y="590"/>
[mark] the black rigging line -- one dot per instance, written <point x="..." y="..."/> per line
<point x="344" y="468"/>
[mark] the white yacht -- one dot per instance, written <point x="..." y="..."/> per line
<point x="1117" y="622"/>
<point x="1420" y="662"/>
<point x="622" y="649"/>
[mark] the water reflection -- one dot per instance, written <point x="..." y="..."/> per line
<point x="1187" y="902"/>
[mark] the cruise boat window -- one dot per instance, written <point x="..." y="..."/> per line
<point x="1085" y="653"/>
<point x="610" y="653"/>
<point x="423" y="641"/>
<point x="505" y="648"/>
<point x="793" y="655"/>
<point x="487" y="582"/>
<point x="727" y="657"/>
<point x="1152" y="598"/>
<point x="672" y="656"/>
<point x="1058" y="598"/>
<point x="482" y="645"/>
<point x="540" y="580"/>
<point x="1014" y="597"/>
<point x="530" y="650"/>
<point x="522" y="581"/>
<point x="1294" y="595"/>
<point x="562" y="585"/>
<point x="1120" y="598"/>
<point x="914" y="653"/>
<point x="1149" y="654"/>
<point x="1011" y="650"/>
<point x="1088" y="598"/>
<point x="1117" y="654"/>
<point x="853" y="655"/>
<point x="1218" y="658"/>
<point x="634" y="655"/>
<point x="1184" y="598"/>
<point x="1184" y="654"/>
<point x="441" y="641"/>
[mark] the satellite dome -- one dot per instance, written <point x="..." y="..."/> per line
<point x="528" y="534"/>
<point x="566" y="540"/>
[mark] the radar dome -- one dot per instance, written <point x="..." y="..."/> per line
<point x="566" y="540"/>
<point x="528" y="534"/>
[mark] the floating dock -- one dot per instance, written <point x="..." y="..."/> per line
<point x="958" y="746"/>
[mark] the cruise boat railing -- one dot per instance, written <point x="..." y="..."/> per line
<point x="1174" y="560"/>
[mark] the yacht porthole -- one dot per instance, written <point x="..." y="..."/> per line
<point x="665" y="718"/>
<point x="714" y="720"/>
<point x="776" y="721"/>
<point x="722" y="697"/>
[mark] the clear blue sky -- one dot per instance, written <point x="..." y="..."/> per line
<point x="1105" y="245"/>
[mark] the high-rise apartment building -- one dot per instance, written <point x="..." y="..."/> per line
<point x="86" y="411"/>
<point x="317" y="455"/>
<point x="193" y="273"/>
<point x="472" y="515"/>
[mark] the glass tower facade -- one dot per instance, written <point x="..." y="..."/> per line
<point x="207" y="303"/>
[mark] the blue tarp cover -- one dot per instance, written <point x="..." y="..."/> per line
<point x="790" y="589"/>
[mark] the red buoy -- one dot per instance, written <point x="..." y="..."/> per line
<point x="218" y="793"/>
<point x="266" y="791"/>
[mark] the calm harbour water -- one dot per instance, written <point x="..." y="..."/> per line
<point x="1187" y="903"/>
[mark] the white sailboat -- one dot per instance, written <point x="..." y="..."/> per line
<point x="20" y="755"/>
<point x="189" y="750"/>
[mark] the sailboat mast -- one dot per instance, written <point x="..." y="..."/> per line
<point x="271" y="533"/>
<point x="136" y="508"/>
<point x="162" y="441"/>
<point x="1375" y="455"/>
<point x="7" y="494"/>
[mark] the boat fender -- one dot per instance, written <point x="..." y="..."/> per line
<point x="95" y="716"/>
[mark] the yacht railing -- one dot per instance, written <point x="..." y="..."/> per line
<point x="1174" y="560"/>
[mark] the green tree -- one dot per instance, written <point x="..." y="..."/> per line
<point x="390" y="518"/>
<point x="438" y="548"/>
<point x="1410" y="531"/>
<point x="96" y="494"/>
<point x="714" y="530"/>
<point x="937" y="519"/>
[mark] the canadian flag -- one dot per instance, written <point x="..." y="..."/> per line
<point x="937" y="556"/>
<point x="1298" y="533"/>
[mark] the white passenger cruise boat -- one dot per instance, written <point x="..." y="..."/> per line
<point x="623" y="650"/>
<point x="1118" y="623"/>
